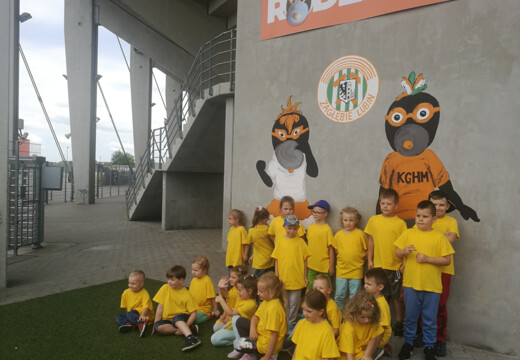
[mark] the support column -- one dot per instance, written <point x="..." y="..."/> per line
<point x="9" y="26"/>
<point x="141" y="88"/>
<point x="81" y="43"/>
<point x="228" y="167"/>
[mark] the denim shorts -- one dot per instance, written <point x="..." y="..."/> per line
<point x="178" y="317"/>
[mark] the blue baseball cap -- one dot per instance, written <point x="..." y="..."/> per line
<point x="291" y="220"/>
<point x="322" y="204"/>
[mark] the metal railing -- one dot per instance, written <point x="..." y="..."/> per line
<point x="213" y="65"/>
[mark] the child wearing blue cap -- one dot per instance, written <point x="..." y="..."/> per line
<point x="320" y="238"/>
<point x="290" y="262"/>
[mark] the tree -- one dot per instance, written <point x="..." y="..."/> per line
<point x="118" y="158"/>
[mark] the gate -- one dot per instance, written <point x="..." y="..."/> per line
<point x="26" y="205"/>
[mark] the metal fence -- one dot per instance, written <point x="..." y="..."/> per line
<point x="110" y="180"/>
<point x="213" y="65"/>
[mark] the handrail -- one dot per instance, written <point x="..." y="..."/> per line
<point x="213" y="65"/>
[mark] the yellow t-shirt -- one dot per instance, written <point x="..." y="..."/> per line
<point x="385" y="231"/>
<point x="245" y="308"/>
<point x="353" y="337"/>
<point x="351" y="248"/>
<point x="422" y="276"/>
<point x="263" y="247"/>
<point x="291" y="255"/>
<point x="271" y="315"/>
<point x="276" y="228"/>
<point x="174" y="301"/>
<point x="233" y="297"/>
<point x="236" y="237"/>
<point x="385" y="320"/>
<point x="333" y="314"/>
<point x="203" y="292"/>
<point x="319" y="238"/>
<point x="137" y="301"/>
<point x="314" y="341"/>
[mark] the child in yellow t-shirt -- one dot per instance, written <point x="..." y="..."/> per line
<point x="361" y="330"/>
<point x="237" y="250"/>
<point x="375" y="281"/>
<point x="245" y="307"/>
<point x="290" y="262"/>
<point x="176" y="312"/>
<point x="276" y="228"/>
<point x="263" y="246"/>
<point x="350" y="244"/>
<point x="425" y="252"/>
<point x="137" y="303"/>
<point x="319" y="240"/>
<point x="383" y="230"/>
<point x="202" y="290"/>
<point x="228" y="289"/>
<point x="313" y="335"/>
<point x="263" y="335"/>
<point x="322" y="284"/>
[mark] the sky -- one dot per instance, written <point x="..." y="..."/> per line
<point x="42" y="40"/>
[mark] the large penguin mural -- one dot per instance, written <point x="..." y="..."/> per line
<point x="412" y="169"/>
<point x="292" y="160"/>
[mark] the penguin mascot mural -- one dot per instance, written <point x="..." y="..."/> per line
<point x="413" y="170"/>
<point x="292" y="160"/>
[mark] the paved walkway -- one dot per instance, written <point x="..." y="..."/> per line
<point x="92" y="244"/>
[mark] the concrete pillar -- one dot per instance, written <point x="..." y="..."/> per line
<point x="9" y="26"/>
<point x="228" y="167"/>
<point x="81" y="42"/>
<point x="191" y="200"/>
<point x="141" y="88"/>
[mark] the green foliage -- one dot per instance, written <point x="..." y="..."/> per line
<point x="81" y="324"/>
<point x="118" y="158"/>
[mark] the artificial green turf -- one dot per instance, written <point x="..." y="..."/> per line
<point x="80" y="324"/>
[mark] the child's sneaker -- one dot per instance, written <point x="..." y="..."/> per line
<point x="406" y="351"/>
<point x="248" y="357"/>
<point x="398" y="329"/>
<point x="141" y="325"/>
<point x="126" y="328"/>
<point x="234" y="354"/>
<point x="440" y="349"/>
<point x="378" y="354"/>
<point x="429" y="353"/>
<point x="191" y="342"/>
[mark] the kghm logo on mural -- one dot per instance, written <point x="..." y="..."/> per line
<point x="348" y="89"/>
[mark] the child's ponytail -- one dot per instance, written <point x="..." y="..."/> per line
<point x="260" y="214"/>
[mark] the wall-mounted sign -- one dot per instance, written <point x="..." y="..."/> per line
<point x="348" y="89"/>
<point x="282" y="17"/>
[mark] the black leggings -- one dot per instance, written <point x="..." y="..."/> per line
<point x="243" y="326"/>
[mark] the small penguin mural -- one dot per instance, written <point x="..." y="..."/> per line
<point x="414" y="170"/>
<point x="292" y="161"/>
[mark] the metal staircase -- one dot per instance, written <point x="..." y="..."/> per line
<point x="211" y="75"/>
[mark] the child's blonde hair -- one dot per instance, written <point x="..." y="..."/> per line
<point x="316" y="301"/>
<point x="137" y="273"/>
<point x="238" y="215"/>
<point x="273" y="283"/>
<point x="352" y="211"/>
<point x="260" y="214"/>
<point x="362" y="301"/>
<point x="203" y="262"/>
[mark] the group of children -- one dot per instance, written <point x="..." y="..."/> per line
<point x="262" y="309"/>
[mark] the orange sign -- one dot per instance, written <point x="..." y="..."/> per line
<point x="282" y="17"/>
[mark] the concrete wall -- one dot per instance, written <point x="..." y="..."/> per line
<point x="192" y="200"/>
<point x="469" y="53"/>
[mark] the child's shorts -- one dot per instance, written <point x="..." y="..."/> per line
<point x="395" y="284"/>
<point x="179" y="317"/>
